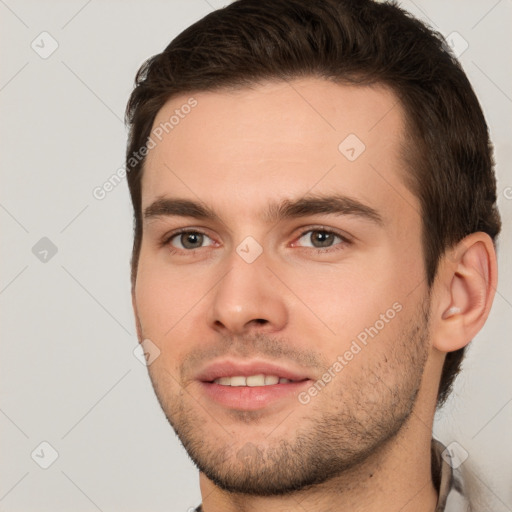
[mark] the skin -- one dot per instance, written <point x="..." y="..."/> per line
<point x="363" y="441"/>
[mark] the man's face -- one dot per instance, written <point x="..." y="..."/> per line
<point x="331" y="295"/>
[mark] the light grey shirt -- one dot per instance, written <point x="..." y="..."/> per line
<point x="448" y="481"/>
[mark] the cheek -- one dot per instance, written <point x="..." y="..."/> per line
<point x="345" y="298"/>
<point x="159" y="313"/>
<point x="365" y="299"/>
<point x="171" y="304"/>
<point x="162" y="297"/>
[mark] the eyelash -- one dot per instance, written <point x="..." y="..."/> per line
<point x="337" y="247"/>
<point x="344" y="240"/>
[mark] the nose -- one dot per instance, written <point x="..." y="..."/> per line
<point x="248" y="298"/>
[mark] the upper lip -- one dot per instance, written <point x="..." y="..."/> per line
<point x="232" y="368"/>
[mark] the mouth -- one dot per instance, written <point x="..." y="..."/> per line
<point x="250" y="385"/>
<point x="253" y="380"/>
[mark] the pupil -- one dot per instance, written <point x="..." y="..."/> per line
<point x="191" y="240"/>
<point x="322" y="239"/>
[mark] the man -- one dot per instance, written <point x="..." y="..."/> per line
<point x="315" y="228"/>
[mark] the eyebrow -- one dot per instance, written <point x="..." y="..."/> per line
<point x="286" y="209"/>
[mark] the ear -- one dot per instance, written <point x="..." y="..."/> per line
<point x="465" y="287"/>
<point x="136" y="313"/>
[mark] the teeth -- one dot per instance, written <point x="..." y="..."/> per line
<point x="237" y="381"/>
<point x="271" y="379"/>
<point x="251" y="380"/>
<point x="254" y="380"/>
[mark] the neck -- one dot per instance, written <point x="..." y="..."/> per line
<point x="398" y="476"/>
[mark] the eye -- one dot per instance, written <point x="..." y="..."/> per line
<point x="320" y="239"/>
<point x="189" y="240"/>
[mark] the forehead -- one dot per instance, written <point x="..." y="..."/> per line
<point x="240" y="149"/>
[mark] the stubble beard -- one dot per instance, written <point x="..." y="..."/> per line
<point x="346" y="425"/>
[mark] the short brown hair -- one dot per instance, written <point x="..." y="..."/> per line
<point x="449" y="154"/>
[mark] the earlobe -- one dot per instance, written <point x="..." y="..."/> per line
<point x="136" y="315"/>
<point x="468" y="283"/>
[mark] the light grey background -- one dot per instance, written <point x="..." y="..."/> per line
<point x="68" y="373"/>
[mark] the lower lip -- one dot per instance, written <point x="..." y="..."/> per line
<point x="252" y="398"/>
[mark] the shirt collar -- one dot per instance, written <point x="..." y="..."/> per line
<point x="442" y="474"/>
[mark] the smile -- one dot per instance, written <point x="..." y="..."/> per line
<point x="252" y="380"/>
